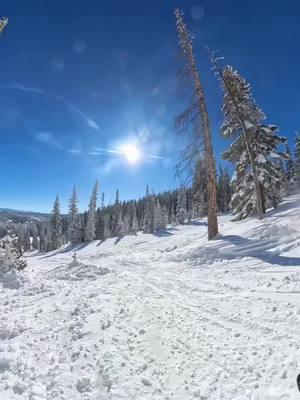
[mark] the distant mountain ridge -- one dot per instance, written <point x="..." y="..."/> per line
<point x="7" y="214"/>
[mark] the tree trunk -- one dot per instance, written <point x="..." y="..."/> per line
<point x="212" y="207"/>
<point x="203" y="130"/>
<point x="263" y="200"/>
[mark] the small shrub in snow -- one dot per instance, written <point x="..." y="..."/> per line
<point x="10" y="262"/>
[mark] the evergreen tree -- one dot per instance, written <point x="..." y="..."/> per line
<point x="116" y="217"/>
<point x="43" y="238"/>
<point x="181" y="212"/>
<point x="290" y="167"/>
<point x="224" y="190"/>
<point x="134" y="224"/>
<point x="172" y="216"/>
<point x="158" y="220"/>
<point x="107" y="232"/>
<point x="10" y="256"/>
<point x="26" y="238"/>
<point x="90" y="227"/>
<point x="102" y="201"/>
<point x="297" y="162"/>
<point x="120" y="226"/>
<point x="55" y="227"/>
<point x="74" y="230"/>
<point x="254" y="148"/>
<point x="35" y="243"/>
<point x="267" y="158"/>
<point x="148" y="213"/>
<point x="3" y="24"/>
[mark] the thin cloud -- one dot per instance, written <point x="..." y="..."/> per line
<point x="100" y="151"/>
<point x="19" y="86"/>
<point x="48" y="138"/>
<point x="71" y="106"/>
<point x="76" y="110"/>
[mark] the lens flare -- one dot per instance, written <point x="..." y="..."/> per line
<point x="131" y="152"/>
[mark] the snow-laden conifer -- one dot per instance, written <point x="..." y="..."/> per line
<point x="254" y="148"/>
<point x="74" y="229"/>
<point x="90" y="228"/>
<point x="55" y="227"/>
<point x="181" y="211"/>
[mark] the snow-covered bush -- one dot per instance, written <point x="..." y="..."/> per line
<point x="10" y="262"/>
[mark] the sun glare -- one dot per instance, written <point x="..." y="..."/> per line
<point x="131" y="152"/>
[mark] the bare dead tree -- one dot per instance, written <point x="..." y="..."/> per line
<point x="3" y="24"/>
<point x="230" y="90"/>
<point x="193" y="124"/>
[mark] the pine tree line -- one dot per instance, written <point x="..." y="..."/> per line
<point x="150" y="214"/>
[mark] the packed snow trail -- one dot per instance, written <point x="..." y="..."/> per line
<point x="167" y="317"/>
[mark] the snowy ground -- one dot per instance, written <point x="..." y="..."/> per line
<point x="175" y="317"/>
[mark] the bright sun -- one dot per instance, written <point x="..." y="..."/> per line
<point x="131" y="152"/>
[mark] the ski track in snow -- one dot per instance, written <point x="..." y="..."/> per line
<point x="169" y="317"/>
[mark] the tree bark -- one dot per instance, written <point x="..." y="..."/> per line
<point x="203" y="130"/>
<point x="212" y="207"/>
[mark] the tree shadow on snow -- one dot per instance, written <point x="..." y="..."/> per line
<point x="290" y="205"/>
<point x="197" y="223"/>
<point x="163" y="233"/>
<point x="257" y="248"/>
<point x="67" y="249"/>
<point x="118" y="240"/>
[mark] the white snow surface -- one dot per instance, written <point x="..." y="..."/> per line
<point x="154" y="317"/>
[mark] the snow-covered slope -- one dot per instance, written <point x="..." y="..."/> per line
<point x="160" y="317"/>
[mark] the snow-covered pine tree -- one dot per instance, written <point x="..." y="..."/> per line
<point x="158" y="221"/>
<point x="43" y="238"/>
<point x="26" y="237"/>
<point x="55" y="227"/>
<point x="120" y="229"/>
<point x="10" y="255"/>
<point x="148" y="213"/>
<point x="181" y="212"/>
<point x="165" y="216"/>
<point x="126" y="224"/>
<point x="254" y="148"/>
<point x="172" y="216"/>
<point x="74" y="229"/>
<point x="102" y="200"/>
<point x="290" y="168"/>
<point x="99" y="224"/>
<point x="189" y="202"/>
<point x="240" y="114"/>
<point x="90" y="227"/>
<point x="279" y="187"/>
<point x="134" y="222"/>
<point x="3" y="24"/>
<point x="106" y="232"/>
<point x="115" y="217"/>
<point x="264" y="142"/>
<point x="224" y="190"/>
<point x="297" y="162"/>
<point x="35" y="242"/>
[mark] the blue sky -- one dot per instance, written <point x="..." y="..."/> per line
<point x="99" y="74"/>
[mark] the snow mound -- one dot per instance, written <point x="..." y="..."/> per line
<point x="78" y="271"/>
<point x="10" y="278"/>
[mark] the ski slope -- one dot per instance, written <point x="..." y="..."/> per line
<point x="160" y="317"/>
